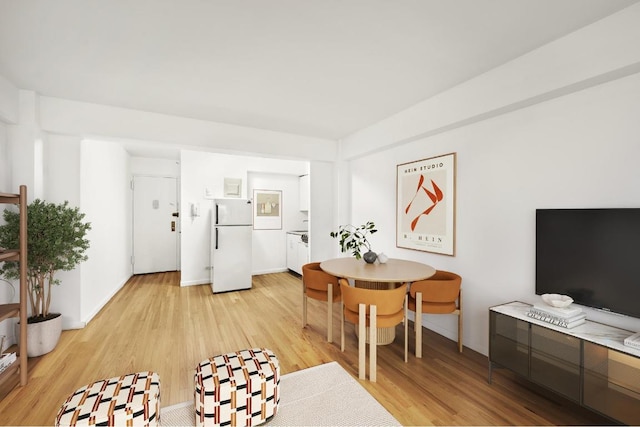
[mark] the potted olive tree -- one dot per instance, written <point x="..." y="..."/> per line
<point x="56" y="240"/>
<point x="352" y="239"/>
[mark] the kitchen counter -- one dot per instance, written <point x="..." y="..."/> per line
<point x="298" y="232"/>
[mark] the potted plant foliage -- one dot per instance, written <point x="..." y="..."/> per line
<point x="56" y="240"/>
<point x="352" y="239"/>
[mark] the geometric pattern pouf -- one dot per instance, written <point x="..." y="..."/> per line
<point x="237" y="389"/>
<point x="132" y="399"/>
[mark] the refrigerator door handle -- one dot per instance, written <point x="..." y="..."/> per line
<point x="216" y="216"/>
<point x="216" y="237"/>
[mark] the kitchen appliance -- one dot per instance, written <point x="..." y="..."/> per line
<point x="231" y="235"/>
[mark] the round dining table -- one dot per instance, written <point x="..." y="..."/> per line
<point x="392" y="271"/>
<point x="378" y="276"/>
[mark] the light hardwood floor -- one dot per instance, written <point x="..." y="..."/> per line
<point x="153" y="324"/>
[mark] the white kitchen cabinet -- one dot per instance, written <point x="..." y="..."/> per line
<point x="297" y="253"/>
<point x="303" y="255"/>
<point x="292" y="251"/>
<point x="304" y="192"/>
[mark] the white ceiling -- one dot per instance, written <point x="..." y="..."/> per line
<point x="322" y="68"/>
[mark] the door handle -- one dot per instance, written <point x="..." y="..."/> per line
<point x="176" y="214"/>
<point x="216" y="237"/>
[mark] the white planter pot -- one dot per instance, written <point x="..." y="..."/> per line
<point x="42" y="337"/>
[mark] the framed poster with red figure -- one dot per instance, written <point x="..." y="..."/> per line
<point x="426" y="204"/>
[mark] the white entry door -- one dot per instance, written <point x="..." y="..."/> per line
<point x="155" y="224"/>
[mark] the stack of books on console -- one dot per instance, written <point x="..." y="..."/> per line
<point x="633" y="341"/>
<point x="566" y="317"/>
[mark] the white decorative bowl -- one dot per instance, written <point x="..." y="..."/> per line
<point x="557" y="300"/>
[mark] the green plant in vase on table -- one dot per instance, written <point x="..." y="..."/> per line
<point x="56" y="240"/>
<point x="353" y="238"/>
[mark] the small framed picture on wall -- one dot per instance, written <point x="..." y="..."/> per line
<point x="267" y="209"/>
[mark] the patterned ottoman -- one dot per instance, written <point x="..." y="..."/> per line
<point x="132" y="399"/>
<point x="237" y="389"/>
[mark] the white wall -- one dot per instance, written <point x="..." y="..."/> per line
<point x="62" y="169"/>
<point x="106" y="200"/>
<point x="5" y="165"/>
<point x="8" y="101"/>
<point x="154" y="167"/>
<point x="26" y="146"/>
<point x="576" y="147"/>
<point x="269" y="246"/>
<point x="324" y="200"/>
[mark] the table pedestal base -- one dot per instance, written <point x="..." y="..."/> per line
<point x="384" y="336"/>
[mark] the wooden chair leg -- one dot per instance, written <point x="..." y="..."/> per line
<point x="362" y="313"/>
<point x="329" y="312"/>
<point x="418" y="324"/>
<point x="406" y="329"/>
<point x="341" y="326"/>
<point x="373" y="342"/>
<point x="460" y="321"/>
<point x="460" y="332"/>
<point x="304" y="307"/>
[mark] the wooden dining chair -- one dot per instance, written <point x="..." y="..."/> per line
<point x="322" y="286"/>
<point x="375" y="309"/>
<point x="440" y="294"/>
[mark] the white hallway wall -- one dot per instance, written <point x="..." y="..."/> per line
<point x="62" y="170"/>
<point x="93" y="175"/>
<point x="105" y="171"/>
<point x="106" y="200"/>
<point x="575" y="146"/>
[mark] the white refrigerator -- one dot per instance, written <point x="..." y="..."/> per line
<point x="231" y="235"/>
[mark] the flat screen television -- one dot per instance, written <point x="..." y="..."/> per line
<point x="592" y="255"/>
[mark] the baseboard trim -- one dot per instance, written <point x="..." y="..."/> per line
<point x="271" y="271"/>
<point x="194" y="282"/>
<point x="104" y="302"/>
<point x="68" y="324"/>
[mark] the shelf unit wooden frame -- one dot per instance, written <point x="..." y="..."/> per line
<point x="17" y="309"/>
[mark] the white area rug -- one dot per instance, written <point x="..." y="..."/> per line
<point x="324" y="395"/>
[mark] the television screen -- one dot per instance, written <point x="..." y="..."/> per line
<point x="592" y="255"/>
